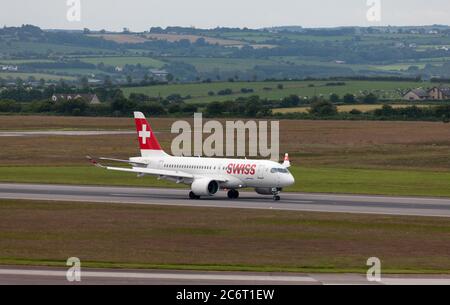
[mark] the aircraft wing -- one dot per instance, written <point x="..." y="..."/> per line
<point x="138" y="164"/>
<point x="148" y="171"/>
<point x="140" y="170"/>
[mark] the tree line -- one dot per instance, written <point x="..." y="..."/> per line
<point x="115" y="103"/>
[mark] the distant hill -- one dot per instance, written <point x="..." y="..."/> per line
<point x="191" y="54"/>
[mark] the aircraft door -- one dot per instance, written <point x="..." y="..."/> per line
<point x="261" y="170"/>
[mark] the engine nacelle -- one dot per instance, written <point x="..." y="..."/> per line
<point x="267" y="190"/>
<point x="205" y="187"/>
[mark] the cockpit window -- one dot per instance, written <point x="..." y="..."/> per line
<point x="279" y="170"/>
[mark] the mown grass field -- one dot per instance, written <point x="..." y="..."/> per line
<point x="199" y="92"/>
<point x="344" y="108"/>
<point x="136" y="236"/>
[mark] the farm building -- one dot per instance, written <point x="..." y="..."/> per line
<point x="90" y="98"/>
<point x="439" y="93"/>
<point x="436" y="93"/>
<point x="9" y="68"/>
<point x="159" y="74"/>
<point x="416" y="95"/>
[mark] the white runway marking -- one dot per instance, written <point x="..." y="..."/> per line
<point x="163" y="276"/>
<point x="63" y="133"/>
<point x="239" y="277"/>
<point x="415" y="281"/>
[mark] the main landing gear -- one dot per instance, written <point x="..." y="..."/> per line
<point x="193" y="196"/>
<point x="233" y="194"/>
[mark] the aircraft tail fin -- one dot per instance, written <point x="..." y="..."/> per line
<point x="148" y="143"/>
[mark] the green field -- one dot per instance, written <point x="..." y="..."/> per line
<point x="45" y="48"/>
<point x="309" y="179"/>
<point x="23" y="61"/>
<point x="223" y="64"/>
<point x="345" y="108"/>
<point x="164" y="237"/>
<point x="199" y="92"/>
<point x="37" y="76"/>
<point x="125" y="60"/>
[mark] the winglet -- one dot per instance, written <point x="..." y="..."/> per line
<point x="93" y="161"/>
<point x="286" y="162"/>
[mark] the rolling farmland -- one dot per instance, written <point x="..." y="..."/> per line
<point x="199" y="92"/>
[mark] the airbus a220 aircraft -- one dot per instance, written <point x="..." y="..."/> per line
<point x="205" y="175"/>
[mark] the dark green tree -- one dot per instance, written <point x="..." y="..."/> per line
<point x="370" y="99"/>
<point x="214" y="108"/>
<point x="323" y="108"/>
<point x="334" y="98"/>
<point x="349" y="99"/>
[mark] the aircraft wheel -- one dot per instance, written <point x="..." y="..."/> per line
<point x="276" y="198"/>
<point x="236" y="194"/>
<point x="233" y="194"/>
<point x="193" y="196"/>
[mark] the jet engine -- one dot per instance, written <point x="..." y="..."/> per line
<point x="205" y="187"/>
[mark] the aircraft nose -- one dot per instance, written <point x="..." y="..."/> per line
<point x="288" y="180"/>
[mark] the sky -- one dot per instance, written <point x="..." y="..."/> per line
<point x="140" y="15"/>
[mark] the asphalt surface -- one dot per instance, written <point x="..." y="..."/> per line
<point x="10" y="275"/>
<point x="62" y="133"/>
<point x="385" y="205"/>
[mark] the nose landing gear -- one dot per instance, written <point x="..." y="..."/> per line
<point x="275" y="193"/>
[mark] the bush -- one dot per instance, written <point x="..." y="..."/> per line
<point x="214" y="108"/>
<point x="225" y="92"/>
<point x="334" y="98"/>
<point x="355" y="112"/>
<point x="189" y="108"/>
<point x="247" y="90"/>
<point x="370" y="99"/>
<point x="152" y="108"/>
<point x="10" y="106"/>
<point x="175" y="108"/>
<point x="323" y="108"/>
<point x="73" y="107"/>
<point x="174" y="98"/>
<point x="290" y="101"/>
<point x="349" y="99"/>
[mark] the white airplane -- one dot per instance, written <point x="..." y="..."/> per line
<point x="205" y="175"/>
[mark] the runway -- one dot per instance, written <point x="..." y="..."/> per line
<point x="384" y="205"/>
<point x="43" y="133"/>
<point x="10" y="275"/>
